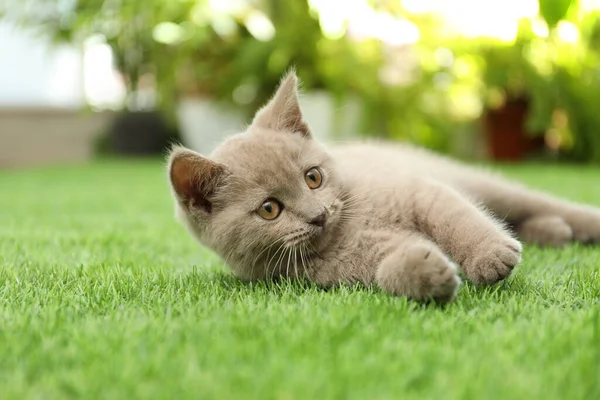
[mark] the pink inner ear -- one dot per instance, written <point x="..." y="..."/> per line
<point x="195" y="179"/>
<point x="184" y="177"/>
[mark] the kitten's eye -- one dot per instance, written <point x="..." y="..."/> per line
<point x="270" y="209"/>
<point x="313" y="178"/>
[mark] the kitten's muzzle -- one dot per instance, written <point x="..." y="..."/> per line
<point x="319" y="220"/>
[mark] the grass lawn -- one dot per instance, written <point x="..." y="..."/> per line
<point x="104" y="295"/>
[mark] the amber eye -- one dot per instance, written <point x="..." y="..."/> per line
<point x="270" y="209"/>
<point x="313" y="178"/>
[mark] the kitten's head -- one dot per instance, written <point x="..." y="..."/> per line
<point x="262" y="193"/>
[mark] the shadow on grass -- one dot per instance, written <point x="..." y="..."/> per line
<point x="284" y="288"/>
<point x="102" y="287"/>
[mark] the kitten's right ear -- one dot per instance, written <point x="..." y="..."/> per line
<point x="194" y="178"/>
<point x="282" y="112"/>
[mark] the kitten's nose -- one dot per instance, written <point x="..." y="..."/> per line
<point x="320" y="219"/>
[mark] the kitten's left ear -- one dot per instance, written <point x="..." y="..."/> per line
<point x="194" y="178"/>
<point x="282" y="112"/>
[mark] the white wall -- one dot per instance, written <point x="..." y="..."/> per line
<point x="35" y="73"/>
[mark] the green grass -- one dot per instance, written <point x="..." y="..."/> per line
<point x="104" y="295"/>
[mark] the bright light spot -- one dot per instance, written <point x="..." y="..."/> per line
<point x="332" y="26"/>
<point x="464" y="67"/>
<point x="468" y="18"/>
<point x="245" y="93"/>
<point x="567" y="32"/>
<point x="465" y="104"/>
<point x="421" y="6"/>
<point x="401" y="67"/>
<point x="400" y="32"/>
<point x="224" y="25"/>
<point x="385" y="27"/>
<point x="102" y="85"/>
<point x="541" y="55"/>
<point x="167" y="33"/>
<point x="505" y="31"/>
<point x="333" y="15"/>
<point x="513" y="8"/>
<point x="443" y="57"/>
<point x="260" y="26"/>
<point x="589" y="5"/>
<point x="362" y="22"/>
<point x="227" y="6"/>
<point x="391" y="76"/>
<point x="199" y="14"/>
<point x="539" y="27"/>
<point x="483" y="19"/>
<point x="64" y="87"/>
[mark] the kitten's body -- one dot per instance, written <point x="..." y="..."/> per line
<point x="509" y="201"/>
<point x="389" y="214"/>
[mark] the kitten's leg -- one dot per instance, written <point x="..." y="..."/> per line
<point x="480" y="244"/>
<point x="418" y="270"/>
<point x="537" y="217"/>
<point x="545" y="231"/>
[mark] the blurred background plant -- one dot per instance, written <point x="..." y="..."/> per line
<point x="507" y="79"/>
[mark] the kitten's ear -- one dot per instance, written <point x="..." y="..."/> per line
<point x="195" y="178"/>
<point x="282" y="112"/>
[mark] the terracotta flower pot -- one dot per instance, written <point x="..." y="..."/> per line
<point x="506" y="135"/>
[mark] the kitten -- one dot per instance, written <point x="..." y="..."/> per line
<point x="273" y="202"/>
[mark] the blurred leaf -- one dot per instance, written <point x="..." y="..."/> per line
<point x="554" y="10"/>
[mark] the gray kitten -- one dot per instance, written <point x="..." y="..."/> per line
<point x="272" y="202"/>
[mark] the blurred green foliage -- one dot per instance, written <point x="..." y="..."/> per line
<point x="555" y="10"/>
<point x="192" y="47"/>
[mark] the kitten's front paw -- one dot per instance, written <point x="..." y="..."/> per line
<point x="420" y="272"/>
<point x="493" y="261"/>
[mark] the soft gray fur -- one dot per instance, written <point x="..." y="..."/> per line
<point x="388" y="214"/>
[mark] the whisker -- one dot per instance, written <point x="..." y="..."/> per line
<point x="295" y="263"/>
<point x="267" y="250"/>
<point x="280" y="249"/>
<point x="279" y="263"/>
<point x="287" y="269"/>
<point x="289" y="260"/>
<point x="281" y="259"/>
<point x="272" y="255"/>
<point x="305" y="248"/>
<point x="301" y="259"/>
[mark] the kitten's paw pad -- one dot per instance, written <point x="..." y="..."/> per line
<point x="494" y="261"/>
<point x="546" y="231"/>
<point x="421" y="273"/>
